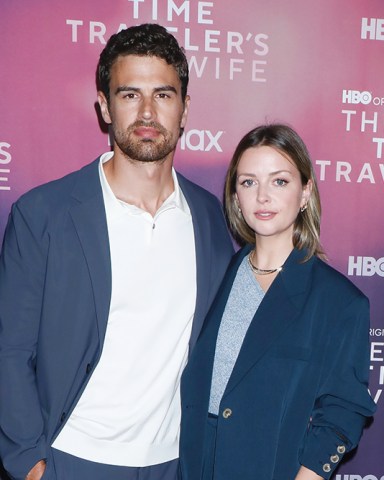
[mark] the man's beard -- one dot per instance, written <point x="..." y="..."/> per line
<point x="145" y="149"/>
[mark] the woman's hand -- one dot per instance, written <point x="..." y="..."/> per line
<point x="305" y="474"/>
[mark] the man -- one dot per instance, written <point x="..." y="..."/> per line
<point x="105" y="278"/>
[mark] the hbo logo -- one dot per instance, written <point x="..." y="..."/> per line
<point x="358" y="477"/>
<point x="365" y="267"/>
<point x="354" y="96"/>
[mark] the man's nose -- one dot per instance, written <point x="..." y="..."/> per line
<point x="147" y="109"/>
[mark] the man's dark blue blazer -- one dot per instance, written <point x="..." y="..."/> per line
<point x="298" y="391"/>
<point x="55" y="290"/>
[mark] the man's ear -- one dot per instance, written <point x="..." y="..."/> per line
<point x="185" y="112"/>
<point x="104" y="107"/>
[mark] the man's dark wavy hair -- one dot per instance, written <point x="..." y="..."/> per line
<point x="148" y="39"/>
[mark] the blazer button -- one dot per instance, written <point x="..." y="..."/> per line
<point x="327" y="467"/>
<point x="63" y="415"/>
<point x="335" y="458"/>
<point x="341" y="449"/>
<point x="89" y="368"/>
<point x="227" y="413"/>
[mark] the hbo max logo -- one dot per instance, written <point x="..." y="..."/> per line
<point x="365" y="267"/>
<point x="358" y="477"/>
<point x="355" y="97"/>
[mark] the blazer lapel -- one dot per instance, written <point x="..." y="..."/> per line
<point x="202" y="358"/>
<point x="89" y="219"/>
<point x="203" y="245"/>
<point x="276" y="313"/>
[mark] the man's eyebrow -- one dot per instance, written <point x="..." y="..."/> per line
<point x="162" y="88"/>
<point x="166" y="88"/>
<point x="126" y="88"/>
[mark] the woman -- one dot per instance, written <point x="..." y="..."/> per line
<point x="276" y="387"/>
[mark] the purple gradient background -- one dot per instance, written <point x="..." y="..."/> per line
<point x="48" y="115"/>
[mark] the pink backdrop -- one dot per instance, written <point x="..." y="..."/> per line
<point x="317" y="65"/>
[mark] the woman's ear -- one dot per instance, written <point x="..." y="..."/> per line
<point x="307" y="191"/>
<point x="236" y="202"/>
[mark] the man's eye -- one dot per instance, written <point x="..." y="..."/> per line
<point x="130" y="95"/>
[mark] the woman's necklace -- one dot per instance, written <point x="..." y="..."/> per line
<point x="260" y="271"/>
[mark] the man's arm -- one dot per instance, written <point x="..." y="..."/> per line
<point x="22" y="267"/>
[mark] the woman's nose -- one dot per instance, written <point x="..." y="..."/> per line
<point x="262" y="193"/>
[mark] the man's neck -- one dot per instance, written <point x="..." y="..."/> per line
<point x="143" y="184"/>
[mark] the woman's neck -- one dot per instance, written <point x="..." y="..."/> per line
<point x="269" y="253"/>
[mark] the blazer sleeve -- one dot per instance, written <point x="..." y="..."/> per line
<point x="343" y="402"/>
<point x="22" y="266"/>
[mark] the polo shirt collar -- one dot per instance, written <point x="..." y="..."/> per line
<point x="175" y="200"/>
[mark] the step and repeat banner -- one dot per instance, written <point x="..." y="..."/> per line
<point x="317" y="65"/>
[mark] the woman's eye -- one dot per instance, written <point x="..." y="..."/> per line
<point x="280" y="182"/>
<point x="247" y="182"/>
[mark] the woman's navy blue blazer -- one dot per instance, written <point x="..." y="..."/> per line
<point x="298" y="393"/>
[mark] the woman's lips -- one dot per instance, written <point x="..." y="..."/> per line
<point x="264" y="215"/>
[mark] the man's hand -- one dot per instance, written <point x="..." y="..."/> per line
<point x="37" y="471"/>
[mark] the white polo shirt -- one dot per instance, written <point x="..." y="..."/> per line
<point x="129" y="412"/>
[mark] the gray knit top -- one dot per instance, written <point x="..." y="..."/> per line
<point x="243" y="301"/>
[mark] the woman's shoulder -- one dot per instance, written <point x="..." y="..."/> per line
<point x="334" y="283"/>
